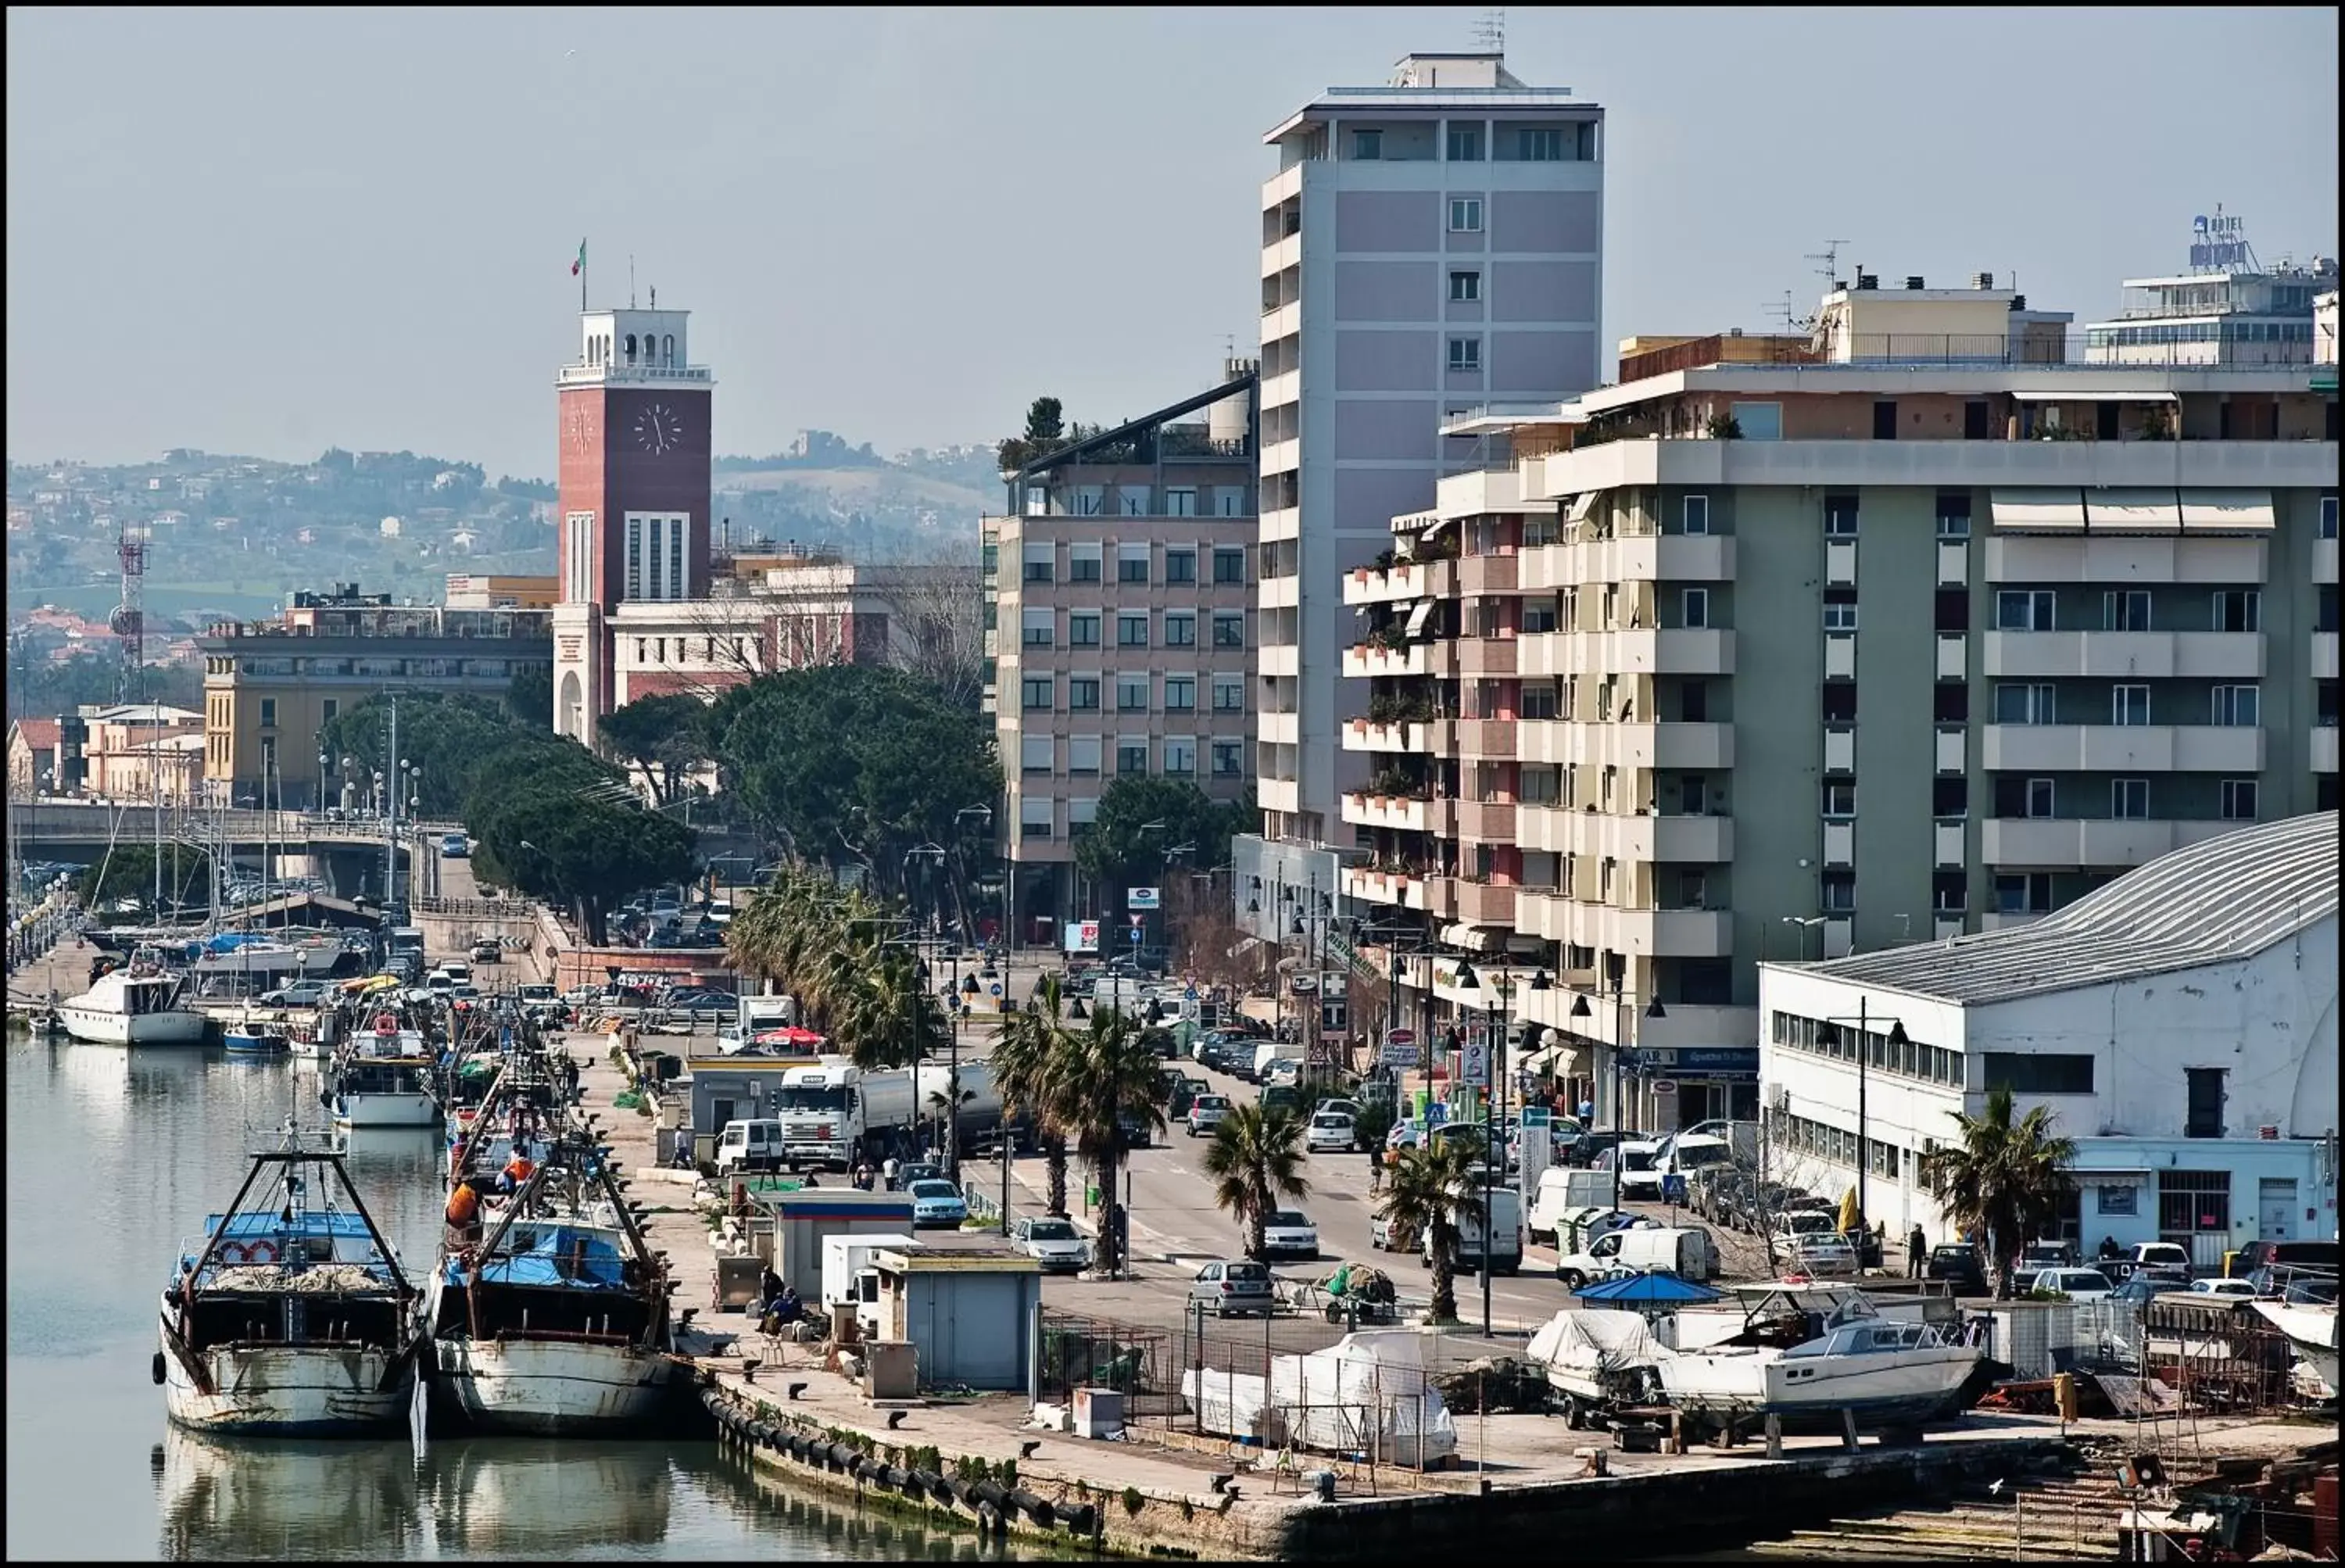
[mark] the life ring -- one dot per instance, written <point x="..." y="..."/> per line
<point x="261" y="1252"/>
<point x="231" y="1252"/>
<point x="384" y="1023"/>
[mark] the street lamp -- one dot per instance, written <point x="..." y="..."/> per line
<point x="1828" y="1038"/>
<point x="1579" y="1009"/>
<point x="1812" y="923"/>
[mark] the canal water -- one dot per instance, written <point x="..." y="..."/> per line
<point x="113" y="1158"/>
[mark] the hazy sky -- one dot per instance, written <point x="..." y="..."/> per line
<point x="272" y="231"/>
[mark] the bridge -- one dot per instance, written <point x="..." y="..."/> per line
<point x="101" y="822"/>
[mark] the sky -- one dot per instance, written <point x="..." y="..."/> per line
<point x="267" y="232"/>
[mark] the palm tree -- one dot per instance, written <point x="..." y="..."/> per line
<point x="1107" y="1078"/>
<point x="1256" y="1160"/>
<point x="1431" y="1190"/>
<point x="2005" y="1178"/>
<point x="1029" y="1051"/>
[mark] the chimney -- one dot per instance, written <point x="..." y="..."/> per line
<point x="2019" y="302"/>
<point x="1865" y="279"/>
<point x="1982" y="279"/>
<point x="1913" y="281"/>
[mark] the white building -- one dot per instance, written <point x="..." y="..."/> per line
<point x="2180" y="1023"/>
<point x="1429" y="246"/>
<point x="2227" y="309"/>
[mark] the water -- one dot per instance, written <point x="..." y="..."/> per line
<point x="113" y="1158"/>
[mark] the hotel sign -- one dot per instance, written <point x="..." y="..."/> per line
<point x="2219" y="242"/>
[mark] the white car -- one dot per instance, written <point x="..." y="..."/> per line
<point x="1330" y="1132"/>
<point x="1205" y="1114"/>
<point x="1052" y="1243"/>
<point x="2232" y="1288"/>
<point x="1289" y="1233"/>
<point x="2075" y="1284"/>
<point x="1825" y="1256"/>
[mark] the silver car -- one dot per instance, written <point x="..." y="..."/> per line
<point x="1233" y="1287"/>
<point x="1053" y="1244"/>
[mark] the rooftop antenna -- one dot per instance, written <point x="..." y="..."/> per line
<point x="631" y="282"/>
<point x="1784" y="310"/>
<point x="1490" y="31"/>
<point x="1830" y="257"/>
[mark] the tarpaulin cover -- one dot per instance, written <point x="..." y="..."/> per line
<point x="1579" y="1350"/>
<point x="560" y="1258"/>
<point x="1367" y="1393"/>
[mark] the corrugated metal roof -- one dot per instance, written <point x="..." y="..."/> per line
<point x="2223" y="900"/>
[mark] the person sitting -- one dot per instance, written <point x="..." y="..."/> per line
<point x="782" y="1310"/>
<point x="516" y="1173"/>
<point x="2109" y="1252"/>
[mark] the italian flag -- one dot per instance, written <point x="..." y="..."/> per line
<point x="580" y="265"/>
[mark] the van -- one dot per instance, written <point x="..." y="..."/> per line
<point x="1561" y="1191"/>
<point x="2277" y="1261"/>
<point x="1272" y="1051"/>
<point x="1687" y="1251"/>
<point x="1506" y="1231"/>
<point x="749" y="1145"/>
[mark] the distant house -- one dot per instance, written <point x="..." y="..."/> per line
<point x="32" y="752"/>
<point x="461" y="539"/>
<point x="390" y="528"/>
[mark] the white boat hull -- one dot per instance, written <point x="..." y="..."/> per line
<point x="416" y="1109"/>
<point x="102" y="1027"/>
<point x="279" y="1390"/>
<point x="1917" y="1385"/>
<point x="553" y="1387"/>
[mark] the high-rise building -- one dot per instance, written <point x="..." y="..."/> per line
<point x="1429" y="247"/>
<point x="635" y="494"/>
<point x="1120" y="614"/>
<point x="1787" y="648"/>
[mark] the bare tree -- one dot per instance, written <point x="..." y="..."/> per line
<point x="935" y="623"/>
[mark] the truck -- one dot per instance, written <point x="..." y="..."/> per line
<point x="754" y="1015"/>
<point x="833" y="1112"/>
<point x="1506" y="1207"/>
<point x="1125" y="993"/>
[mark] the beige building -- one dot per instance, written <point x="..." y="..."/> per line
<point x="1918" y="628"/>
<point x="1120" y="597"/>
<point x="270" y="687"/>
<point x="476" y="591"/>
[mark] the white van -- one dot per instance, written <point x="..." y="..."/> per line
<point x="749" y="1145"/>
<point x="1271" y="1051"/>
<point x="1687" y="1251"/>
<point x="1561" y="1191"/>
<point x="1505" y="1227"/>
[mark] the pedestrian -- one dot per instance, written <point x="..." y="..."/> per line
<point x="890" y="1170"/>
<point x="1917" y="1245"/>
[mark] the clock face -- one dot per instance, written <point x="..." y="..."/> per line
<point x="657" y="429"/>
<point x="580" y="426"/>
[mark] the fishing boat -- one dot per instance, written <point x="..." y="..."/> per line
<point x="1886" y="1372"/>
<point x="246" y="1035"/>
<point x="291" y="1314"/>
<point x="556" y="1321"/>
<point x="135" y="1005"/>
<point x="382" y="1077"/>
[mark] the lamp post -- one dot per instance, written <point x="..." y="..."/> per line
<point x="1392" y="936"/>
<point x="1828" y="1036"/>
<point x="1579" y="1009"/>
<point x="1813" y="923"/>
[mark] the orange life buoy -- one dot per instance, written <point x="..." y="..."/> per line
<point x="384" y="1023"/>
<point x="231" y="1252"/>
<point x="261" y="1252"/>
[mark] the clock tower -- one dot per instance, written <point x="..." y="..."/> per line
<point x="634" y="472"/>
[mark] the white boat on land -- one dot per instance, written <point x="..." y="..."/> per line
<point x="1888" y="1373"/>
<point x="2312" y="1331"/>
<point x="287" y="1319"/>
<point x="133" y="1006"/>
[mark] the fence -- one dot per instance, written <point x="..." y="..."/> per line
<point x="2215" y="1353"/>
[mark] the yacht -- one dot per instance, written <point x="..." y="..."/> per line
<point x="291" y="1314"/>
<point x="382" y="1078"/>
<point x="133" y="1006"/>
<point x="1887" y="1372"/>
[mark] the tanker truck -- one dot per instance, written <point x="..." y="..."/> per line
<point x="833" y="1112"/>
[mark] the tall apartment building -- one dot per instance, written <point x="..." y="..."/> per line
<point x="1118" y="592"/>
<point x="1427" y="246"/>
<point x="1919" y="626"/>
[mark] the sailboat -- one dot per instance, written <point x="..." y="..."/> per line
<point x="290" y="1316"/>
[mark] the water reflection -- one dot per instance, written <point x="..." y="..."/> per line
<point x="287" y="1499"/>
<point x="874" y="1536"/>
<point x="500" y="1498"/>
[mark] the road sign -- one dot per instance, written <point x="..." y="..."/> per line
<point x="1190" y="994"/>
<point x="1673" y="1189"/>
<point x="1475" y="1068"/>
<point x="1399" y="1052"/>
<point x="1136" y="932"/>
<point x="1664" y="1088"/>
<point x="1139" y="899"/>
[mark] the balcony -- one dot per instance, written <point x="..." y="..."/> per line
<point x="1282" y="389"/>
<point x="1278" y="729"/>
<point x="1400" y="813"/>
<point x="1472" y="903"/>
<point x="2125" y="656"/>
<point x="1640" y="558"/>
<point x="1367" y="735"/>
<point x="1642" y="839"/>
<point x="1487" y="821"/>
<point x="1282" y="456"/>
<point x="1492" y="738"/>
<point x="2122" y="749"/>
<point x="634" y="375"/>
<point x="1479" y="492"/>
<point x="2324" y="655"/>
<point x="1489" y="656"/>
<point x="1485" y="574"/>
<point x="2324" y="748"/>
<point x="2060" y="841"/>
<point x="1402" y="888"/>
<point x="1281" y="254"/>
<point x="2324" y="560"/>
<point x="1366" y="659"/>
<point x="1279" y="659"/>
<point x="1707" y="748"/>
<point x="1648" y="651"/>
<point x="2132" y="561"/>
<point x="1400" y="582"/>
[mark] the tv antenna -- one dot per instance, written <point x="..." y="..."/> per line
<point x="1784" y="310"/>
<point x="1490" y="31"/>
<point x="1830" y="257"/>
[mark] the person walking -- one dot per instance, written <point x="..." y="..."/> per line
<point x="1917" y="1246"/>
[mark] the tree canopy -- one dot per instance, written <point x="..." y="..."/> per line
<point x="447" y="736"/>
<point x="665" y="736"/>
<point x="552" y="822"/>
<point x="2006" y="1176"/>
<point x="1124" y="850"/>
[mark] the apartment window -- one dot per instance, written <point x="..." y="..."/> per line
<point x="1464" y="288"/>
<point x="1884" y="420"/>
<point x="2031" y="1073"/>
<point x="1036" y="629"/>
<point x="1131" y="694"/>
<point x="1695" y="514"/>
<point x="327" y="710"/>
<point x="1039" y="561"/>
<point x="1180" y="757"/>
<point x="1839" y="702"/>
<point x="1539" y="145"/>
<point x="1950" y="796"/>
<point x="2125" y="610"/>
<point x="1949" y="893"/>
<point x="1840" y="609"/>
<point x="1229" y="628"/>
<point x="2037" y="797"/>
<point x="1954" y="515"/>
<point x="1978" y="419"/>
<point x="2023" y="892"/>
<point x="1465" y="353"/>
<point x="1181" y="630"/>
<point x="1180" y="565"/>
<point x="1464" y="144"/>
<point x="1179" y="693"/>
<point x="1840" y="516"/>
<point x="1130" y="755"/>
<point x="2239" y="800"/>
<point x="1697" y="607"/>
<point x="2129" y="798"/>
<point x="1465" y="215"/>
<point x="1083" y="754"/>
<point x="1083" y="629"/>
<point x="1134" y="498"/>
<point x="2328" y="515"/>
<point x="2024" y="610"/>
<point x="1229" y="758"/>
<point x="1034" y="819"/>
<point x="1758" y="421"/>
<point x="267" y="713"/>
<point x="1839" y="797"/>
<point x="1038" y="693"/>
<point x="1229" y="694"/>
<point x="1083" y="693"/>
<point x="1229" y="566"/>
<point x="2024" y="702"/>
<point x="2128" y="706"/>
<point x="1836" y="893"/>
<point x="2202" y="1112"/>
<point x="1083" y="563"/>
<point x="2238" y="610"/>
<point x="1037" y="754"/>
<point x="1131" y="631"/>
<point x="2237" y="705"/>
<point x="1131" y="566"/>
<point x="1368" y="145"/>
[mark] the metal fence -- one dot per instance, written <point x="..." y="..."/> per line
<point x="1133" y="1360"/>
<point x="2214" y="1354"/>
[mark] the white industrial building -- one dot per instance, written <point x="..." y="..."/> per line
<point x="2180" y="1023"/>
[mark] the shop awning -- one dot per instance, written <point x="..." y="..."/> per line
<point x="1563" y="1060"/>
<point x="2039" y="511"/>
<point x="1474" y="938"/>
<point x="2227" y="511"/>
<point x="1581" y="505"/>
<point x="2107" y="1174"/>
<point x="2133" y="511"/>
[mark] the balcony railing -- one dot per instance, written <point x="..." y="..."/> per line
<point x="596" y="376"/>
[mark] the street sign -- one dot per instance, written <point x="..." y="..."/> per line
<point x="1475" y="1068"/>
<point x="1537" y="1116"/>
<point x="1399" y="1052"/>
<point x="1400" y="1036"/>
<point x="1190" y="994"/>
<point x="1140" y="898"/>
<point x="1136" y="933"/>
<point x="1673" y="1189"/>
<point x="1664" y="1088"/>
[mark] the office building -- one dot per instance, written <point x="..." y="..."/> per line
<point x="1923" y="626"/>
<point x="2180" y="1025"/>
<point x="1429" y="246"/>
<point x="1119" y="592"/>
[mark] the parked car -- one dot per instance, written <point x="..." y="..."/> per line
<point x="301" y="994"/>
<point x="917" y="1171"/>
<point x="1233" y="1287"/>
<point x="1825" y="1254"/>
<point x="1289" y="1233"/>
<point x="2075" y="1284"/>
<point x="1205" y="1114"/>
<point x="1960" y="1266"/>
<point x="2048" y="1254"/>
<point x="936" y="1205"/>
<point x="1053" y="1244"/>
<point x="2145" y="1283"/>
<point x="1386" y="1236"/>
<point x="1330" y="1132"/>
<point x="2242" y="1289"/>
